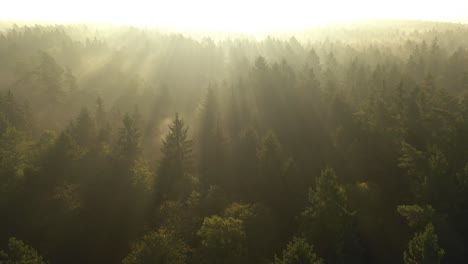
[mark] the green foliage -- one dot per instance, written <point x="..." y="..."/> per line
<point x="245" y="163"/>
<point x="240" y="211"/>
<point x="158" y="247"/>
<point x="128" y="142"/>
<point x="83" y="129"/>
<point x="274" y="170"/>
<point x="208" y="140"/>
<point x="142" y="176"/>
<point x="182" y="217"/>
<point x="328" y="223"/>
<point x="68" y="195"/>
<point x="12" y="153"/>
<point x="416" y="215"/>
<point x="298" y="251"/>
<point x="328" y="196"/>
<point x="13" y="113"/>
<point x="20" y="253"/>
<point x="175" y="166"/>
<point x="412" y="160"/>
<point x="222" y="239"/>
<point x="16" y="154"/>
<point x="270" y="154"/>
<point x="261" y="227"/>
<point x="423" y="248"/>
<point x="45" y="142"/>
<point x="66" y="148"/>
<point x="430" y="175"/>
<point x="194" y="200"/>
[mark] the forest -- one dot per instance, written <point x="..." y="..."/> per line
<point x="338" y="144"/>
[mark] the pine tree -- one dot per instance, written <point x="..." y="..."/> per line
<point x="209" y="141"/>
<point x="245" y="164"/>
<point x="328" y="223"/>
<point x="270" y="182"/>
<point x="175" y="165"/>
<point x="15" y="113"/>
<point x="129" y="140"/>
<point x="424" y="248"/>
<point x="84" y="129"/>
<point x="49" y="75"/>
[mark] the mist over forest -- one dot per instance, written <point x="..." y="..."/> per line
<point x="343" y="143"/>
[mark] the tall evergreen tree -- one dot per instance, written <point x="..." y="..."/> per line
<point x="210" y="141"/>
<point x="175" y="167"/>
<point x="328" y="223"/>
<point x="129" y="140"/>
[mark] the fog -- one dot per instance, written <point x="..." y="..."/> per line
<point x="275" y="139"/>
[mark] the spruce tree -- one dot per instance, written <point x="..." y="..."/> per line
<point x="173" y="172"/>
<point x="329" y="224"/>
<point x="424" y="248"/>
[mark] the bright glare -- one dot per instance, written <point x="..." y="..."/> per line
<point x="248" y="16"/>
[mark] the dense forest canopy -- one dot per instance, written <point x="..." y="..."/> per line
<point x="339" y="144"/>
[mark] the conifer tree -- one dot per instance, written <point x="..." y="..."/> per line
<point x="298" y="251"/>
<point x="129" y="140"/>
<point x="424" y="248"/>
<point x="18" y="252"/>
<point x="328" y="223"/>
<point x="161" y="247"/>
<point x="175" y="166"/>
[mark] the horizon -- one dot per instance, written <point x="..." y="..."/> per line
<point x="225" y="16"/>
<point x="222" y="34"/>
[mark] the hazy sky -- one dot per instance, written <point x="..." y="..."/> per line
<point x="237" y="15"/>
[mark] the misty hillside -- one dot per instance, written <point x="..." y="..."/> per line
<point x="337" y="144"/>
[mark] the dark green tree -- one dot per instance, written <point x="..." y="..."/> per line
<point x="173" y="173"/>
<point x="158" y="247"/>
<point x="424" y="248"/>
<point x="210" y="142"/>
<point x="275" y="172"/>
<point x="128" y="143"/>
<point x="222" y="240"/>
<point x="84" y="129"/>
<point x="298" y="251"/>
<point x="20" y="253"/>
<point x="328" y="223"/>
<point x="416" y="215"/>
